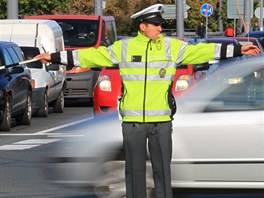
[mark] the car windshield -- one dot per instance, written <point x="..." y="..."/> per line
<point x="238" y="85"/>
<point x="259" y="35"/>
<point x="29" y="53"/>
<point x="79" y="33"/>
<point x="241" y="93"/>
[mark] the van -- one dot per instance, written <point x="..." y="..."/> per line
<point x="35" y="37"/>
<point x="83" y="31"/>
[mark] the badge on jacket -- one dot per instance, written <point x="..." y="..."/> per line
<point x="162" y="73"/>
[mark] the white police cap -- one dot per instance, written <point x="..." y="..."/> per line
<point x="151" y="14"/>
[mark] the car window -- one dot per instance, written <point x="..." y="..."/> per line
<point x="7" y="57"/>
<point x="13" y="54"/>
<point x="29" y="53"/>
<point x="242" y="93"/>
<point x="19" y="53"/>
<point x="261" y="40"/>
<point x="247" y="42"/>
<point x="79" y="33"/>
<point x="1" y="61"/>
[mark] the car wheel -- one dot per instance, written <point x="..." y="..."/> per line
<point x="44" y="109"/>
<point x="25" y="117"/>
<point x="59" y="104"/>
<point x="5" y="124"/>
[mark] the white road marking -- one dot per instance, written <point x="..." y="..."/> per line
<point x="37" y="141"/>
<point x="45" y="131"/>
<point x="64" y="135"/>
<point x="30" y="143"/>
<point x="62" y="126"/>
<point x="27" y="144"/>
<point x="16" y="147"/>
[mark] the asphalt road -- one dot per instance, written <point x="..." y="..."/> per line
<point x="23" y="153"/>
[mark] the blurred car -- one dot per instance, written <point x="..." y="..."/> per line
<point x="50" y="83"/>
<point x="218" y="139"/>
<point x="257" y="34"/>
<point x="219" y="128"/>
<point x="235" y="40"/>
<point x="214" y="65"/>
<point x="15" y="87"/>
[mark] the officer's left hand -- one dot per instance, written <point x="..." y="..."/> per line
<point x="250" y="50"/>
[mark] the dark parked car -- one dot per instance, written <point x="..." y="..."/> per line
<point x="15" y="87"/>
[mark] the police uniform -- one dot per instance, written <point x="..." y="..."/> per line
<point x="147" y="69"/>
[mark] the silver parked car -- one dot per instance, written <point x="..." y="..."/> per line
<point x="218" y="138"/>
<point x="50" y="84"/>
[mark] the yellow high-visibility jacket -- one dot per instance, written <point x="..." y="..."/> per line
<point x="147" y="69"/>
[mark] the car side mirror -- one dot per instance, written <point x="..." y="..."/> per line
<point x="53" y="67"/>
<point x="16" y="70"/>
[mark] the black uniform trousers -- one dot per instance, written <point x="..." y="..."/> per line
<point x="135" y="136"/>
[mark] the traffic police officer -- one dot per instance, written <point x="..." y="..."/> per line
<point x="147" y="64"/>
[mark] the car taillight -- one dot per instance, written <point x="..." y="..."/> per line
<point x="104" y="83"/>
<point x="183" y="82"/>
<point x="77" y="70"/>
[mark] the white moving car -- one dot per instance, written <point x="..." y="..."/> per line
<point x="218" y="138"/>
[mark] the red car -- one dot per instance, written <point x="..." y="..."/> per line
<point x="82" y="31"/>
<point x="107" y="90"/>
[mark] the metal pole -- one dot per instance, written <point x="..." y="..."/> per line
<point x="98" y="7"/>
<point x="180" y="18"/>
<point x="234" y="27"/>
<point x="261" y="15"/>
<point x="206" y="26"/>
<point x="12" y="9"/>
<point x="220" y="21"/>
<point x="247" y="9"/>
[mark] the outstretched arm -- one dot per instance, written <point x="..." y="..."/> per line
<point x="85" y="58"/>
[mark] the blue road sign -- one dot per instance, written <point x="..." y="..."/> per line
<point x="207" y="10"/>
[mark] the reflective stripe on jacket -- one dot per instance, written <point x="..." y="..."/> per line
<point x="147" y="69"/>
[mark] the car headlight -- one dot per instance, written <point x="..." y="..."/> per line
<point x="104" y="83"/>
<point x="33" y="83"/>
<point x="183" y="82"/>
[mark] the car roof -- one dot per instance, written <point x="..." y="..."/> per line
<point x="4" y="44"/>
<point x="76" y="17"/>
<point x="256" y="33"/>
<point x="221" y="40"/>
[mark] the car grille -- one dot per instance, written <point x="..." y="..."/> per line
<point x="70" y="92"/>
